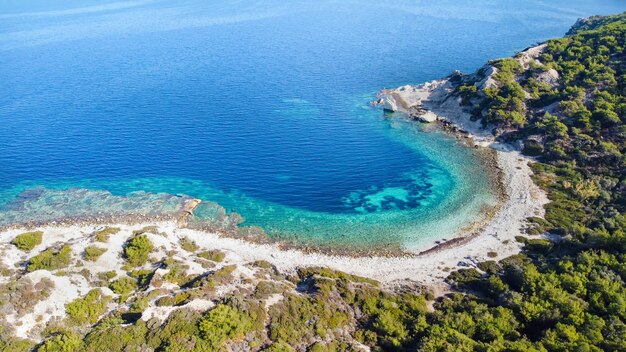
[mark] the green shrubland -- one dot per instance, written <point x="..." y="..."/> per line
<point x="103" y="235"/>
<point x="51" y="259"/>
<point x="28" y="240"/>
<point x="213" y="255"/>
<point x="137" y="250"/>
<point x="92" y="253"/>
<point x="88" y="309"/>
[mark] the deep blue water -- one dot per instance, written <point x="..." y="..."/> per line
<point x="259" y="106"/>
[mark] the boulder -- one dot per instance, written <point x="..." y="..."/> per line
<point x="428" y="117"/>
<point x="390" y="103"/>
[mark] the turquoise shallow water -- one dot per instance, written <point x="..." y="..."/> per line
<point x="258" y="106"/>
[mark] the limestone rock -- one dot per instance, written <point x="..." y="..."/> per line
<point x="550" y="77"/>
<point x="390" y="103"/>
<point x="488" y="81"/>
<point x="428" y="117"/>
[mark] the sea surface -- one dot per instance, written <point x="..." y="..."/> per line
<point x="259" y="106"/>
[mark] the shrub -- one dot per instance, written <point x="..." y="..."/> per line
<point x="463" y="276"/>
<point x="23" y="294"/>
<point x="123" y="285"/>
<point x="176" y="300"/>
<point x="532" y="148"/>
<point x="28" y="240"/>
<point x="87" y="310"/>
<point x="107" y="275"/>
<point x="103" y="235"/>
<point x="92" y="253"/>
<point x="147" y="229"/>
<point x="143" y="277"/>
<point x="333" y="274"/>
<point x="281" y="347"/>
<point x="214" y="255"/>
<point x="50" y="259"/>
<point x="489" y="266"/>
<point x="65" y="342"/>
<point x="263" y="264"/>
<point x="266" y="288"/>
<point x="177" y="273"/>
<point x="137" y="250"/>
<point x="223" y="323"/>
<point x="188" y="245"/>
<point x="15" y="344"/>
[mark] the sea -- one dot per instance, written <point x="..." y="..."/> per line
<point x="259" y="108"/>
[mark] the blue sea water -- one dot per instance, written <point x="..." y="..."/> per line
<point x="260" y="106"/>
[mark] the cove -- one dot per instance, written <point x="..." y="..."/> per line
<point x="258" y="106"/>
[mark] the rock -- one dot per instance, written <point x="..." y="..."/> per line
<point x="488" y="81"/>
<point x="378" y="102"/>
<point x="428" y="117"/>
<point x="550" y="77"/>
<point x="390" y="103"/>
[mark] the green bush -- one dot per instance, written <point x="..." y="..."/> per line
<point x="123" y="285"/>
<point x="334" y="274"/>
<point x="188" y="245"/>
<point x="51" y="259"/>
<point x="263" y="264"/>
<point x="177" y="300"/>
<point x="65" y="342"/>
<point x="138" y="249"/>
<point x="267" y="288"/>
<point x="103" y="235"/>
<point x="87" y="310"/>
<point x="147" y="229"/>
<point x="92" y="253"/>
<point x="214" y="255"/>
<point x="223" y="323"/>
<point x="28" y="240"/>
<point x="143" y="277"/>
<point x="107" y="275"/>
<point x="532" y="148"/>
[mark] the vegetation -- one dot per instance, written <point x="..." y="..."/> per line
<point x="214" y="255"/>
<point x="188" y="245"/>
<point x="64" y="342"/>
<point x="28" y="240"/>
<point x="92" y="253"/>
<point x="137" y="250"/>
<point x="566" y="294"/>
<point x="87" y="310"/>
<point x="51" y="259"/>
<point x="123" y="285"/>
<point x="103" y="235"/>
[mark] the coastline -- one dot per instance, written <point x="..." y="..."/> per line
<point x="426" y="269"/>
<point x="489" y="238"/>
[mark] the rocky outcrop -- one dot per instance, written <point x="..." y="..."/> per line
<point x="550" y="77"/>
<point x="428" y="117"/>
<point x="530" y="55"/>
<point x="488" y="81"/>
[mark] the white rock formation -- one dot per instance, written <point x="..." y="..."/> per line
<point x="550" y="77"/>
